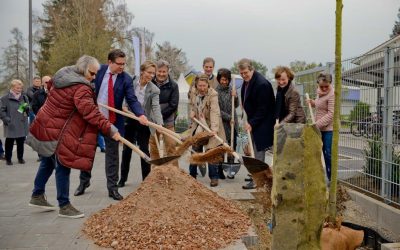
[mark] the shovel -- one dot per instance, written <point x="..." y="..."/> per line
<point x="156" y="162"/>
<point x="176" y="137"/>
<point x="252" y="164"/>
<point x="231" y="168"/>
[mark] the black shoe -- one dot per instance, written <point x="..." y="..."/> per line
<point x="121" y="184"/>
<point x="250" y="185"/>
<point x="21" y="161"/>
<point x="9" y="163"/>
<point x="81" y="188"/>
<point x="248" y="179"/>
<point x="115" y="195"/>
<point x="103" y="150"/>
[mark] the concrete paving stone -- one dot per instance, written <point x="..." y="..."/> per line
<point x="8" y="213"/>
<point x="11" y="229"/>
<point x="18" y="241"/>
<point x="54" y="228"/>
<point x="40" y="216"/>
<point x="240" y="196"/>
<point x="10" y="221"/>
<point x="32" y="248"/>
<point x="48" y="240"/>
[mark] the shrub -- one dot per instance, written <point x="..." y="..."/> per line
<point x="359" y="112"/>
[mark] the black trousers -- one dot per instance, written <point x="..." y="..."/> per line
<point x="9" y="144"/>
<point x="111" y="166"/>
<point x="135" y="132"/>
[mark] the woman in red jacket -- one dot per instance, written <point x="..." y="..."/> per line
<point x="65" y="131"/>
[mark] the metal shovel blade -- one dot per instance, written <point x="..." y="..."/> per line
<point x="163" y="160"/>
<point x="254" y="165"/>
<point x="231" y="168"/>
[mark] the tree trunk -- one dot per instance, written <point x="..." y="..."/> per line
<point x="336" y="114"/>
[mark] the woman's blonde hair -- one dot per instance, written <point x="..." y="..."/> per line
<point x="147" y="64"/>
<point x="202" y="77"/>
<point x="15" y="82"/>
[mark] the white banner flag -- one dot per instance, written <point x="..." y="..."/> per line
<point x="136" y="50"/>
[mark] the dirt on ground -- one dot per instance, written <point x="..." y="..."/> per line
<point x="169" y="210"/>
<point x="259" y="210"/>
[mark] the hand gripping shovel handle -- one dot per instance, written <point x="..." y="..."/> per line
<point x="216" y="137"/>
<point x="150" y="124"/>
<point x="176" y="137"/>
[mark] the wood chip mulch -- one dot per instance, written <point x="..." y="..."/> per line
<point x="169" y="210"/>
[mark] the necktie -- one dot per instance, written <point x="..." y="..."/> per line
<point x="111" y="115"/>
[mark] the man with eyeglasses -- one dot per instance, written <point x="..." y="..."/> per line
<point x="112" y="86"/>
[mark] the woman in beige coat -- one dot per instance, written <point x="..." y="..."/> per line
<point x="204" y="107"/>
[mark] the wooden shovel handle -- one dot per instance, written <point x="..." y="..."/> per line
<point x="134" y="148"/>
<point x="150" y="124"/>
<point x="205" y="127"/>
<point x="309" y="107"/>
<point x="250" y="144"/>
<point x="250" y="140"/>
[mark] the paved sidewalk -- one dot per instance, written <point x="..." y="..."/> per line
<point x="24" y="227"/>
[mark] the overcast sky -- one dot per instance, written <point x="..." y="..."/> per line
<point x="274" y="32"/>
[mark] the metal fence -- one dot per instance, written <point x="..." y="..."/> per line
<point x="370" y="121"/>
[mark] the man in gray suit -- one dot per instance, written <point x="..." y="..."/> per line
<point x="148" y="96"/>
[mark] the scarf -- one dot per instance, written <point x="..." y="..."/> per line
<point x="15" y="95"/>
<point x="280" y="110"/>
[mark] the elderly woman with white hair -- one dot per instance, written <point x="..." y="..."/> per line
<point x="14" y="108"/>
<point x="65" y="132"/>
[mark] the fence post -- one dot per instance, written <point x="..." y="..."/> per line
<point x="387" y="125"/>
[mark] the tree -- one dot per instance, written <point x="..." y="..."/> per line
<point x="76" y="27"/>
<point x="396" y="27"/>
<point x="175" y="56"/>
<point x="336" y="113"/>
<point x="298" y="66"/>
<point x="14" y="62"/>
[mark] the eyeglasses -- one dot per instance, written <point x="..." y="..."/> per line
<point x="119" y="64"/>
<point x="92" y="73"/>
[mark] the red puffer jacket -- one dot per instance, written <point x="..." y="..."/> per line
<point x="71" y="117"/>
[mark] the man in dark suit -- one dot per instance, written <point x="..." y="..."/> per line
<point x="112" y="86"/>
<point x="259" y="104"/>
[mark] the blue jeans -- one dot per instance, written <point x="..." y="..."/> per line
<point x="100" y="141"/>
<point x="1" y="148"/>
<point x="327" y="150"/>
<point x="46" y="167"/>
<point x="212" y="171"/>
<point x="31" y="117"/>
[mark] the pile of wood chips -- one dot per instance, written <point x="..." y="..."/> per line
<point x="169" y="210"/>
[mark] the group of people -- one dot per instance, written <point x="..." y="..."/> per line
<point x="17" y="110"/>
<point x="65" y="129"/>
